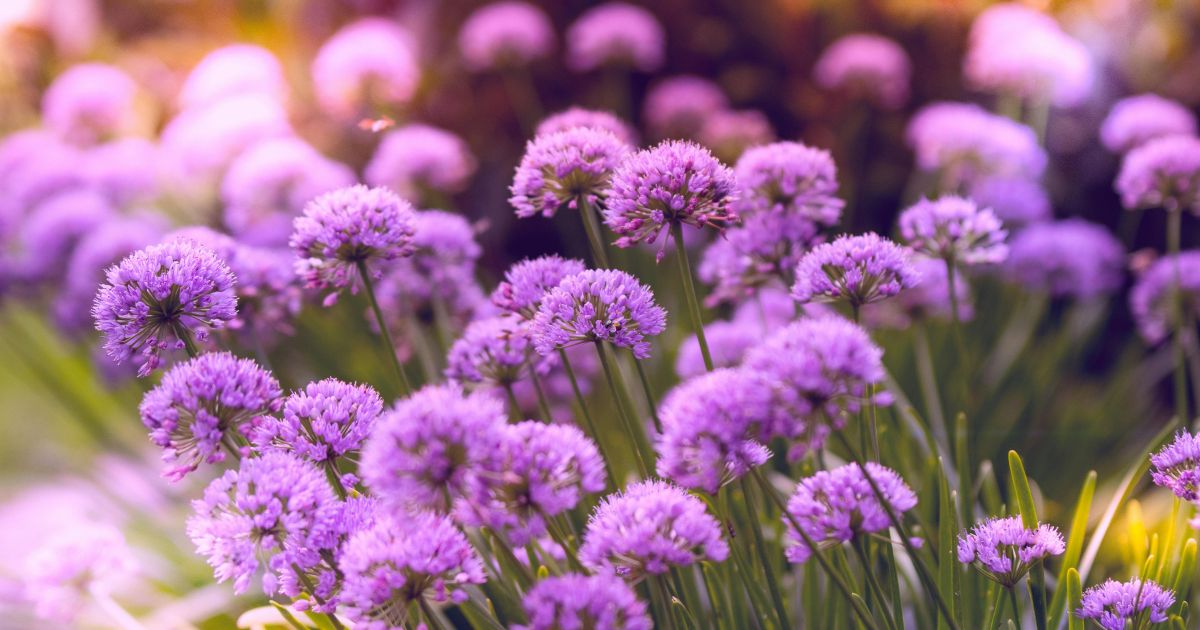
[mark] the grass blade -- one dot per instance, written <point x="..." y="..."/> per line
<point x="947" y="534"/>
<point x="1183" y="578"/>
<point x="1079" y="521"/>
<point x="1024" y="499"/>
<point x="1074" y="591"/>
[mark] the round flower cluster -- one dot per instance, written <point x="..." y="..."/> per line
<point x="1150" y="299"/>
<point x="495" y="350"/>
<point x="526" y="283"/>
<point x="420" y="158"/>
<point x="568" y="167"/>
<point x="963" y="143"/>
<point x="1162" y="173"/>
<point x="233" y="70"/>
<point x="598" y="305"/>
<point x="1176" y="466"/>
<point x="855" y="269"/>
<point x="367" y="63"/>
<point x="730" y="133"/>
<point x="505" y="34"/>
<point x="676" y="107"/>
<point x="1066" y="258"/>
<point x="788" y="178"/>
<point x="1018" y="201"/>
<point x="1114" y="604"/>
<point x="324" y="421"/>
<point x="573" y="117"/>
<point x="615" y="33"/>
<point x="1135" y="120"/>
<point x="955" y="230"/>
<point x="866" y="64"/>
<point x="1004" y="549"/>
<point x="90" y="102"/>
<point x="579" y="601"/>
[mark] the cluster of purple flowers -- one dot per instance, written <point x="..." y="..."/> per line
<point x="1004" y="549"/>
<point x="868" y="66"/>
<point x="857" y="270"/>
<point x="598" y="305"/>
<point x="569" y="167"/>
<point x="1113" y="605"/>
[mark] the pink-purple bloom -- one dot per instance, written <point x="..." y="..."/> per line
<point x="90" y="102"/>
<point x="1162" y="173"/>
<point x="368" y="63"/>
<point x="268" y="291"/>
<point x="962" y="143"/>
<point x="528" y="281"/>
<point x="868" y="66"/>
<point x="727" y="343"/>
<point x="201" y="142"/>
<point x="954" y="229"/>
<point x="233" y="70"/>
<point x="855" y="269"/>
<point x="1066" y="258"/>
<point x="1176" y="466"/>
<point x="574" y="601"/>
<point x="1152" y="295"/>
<point x="505" y="34"/>
<point x="789" y="178"/>
<point x="1136" y="120"/>
<point x="1113" y="605"/>
<point x="1017" y="201"/>
<point x="616" y="33"/>
<point x="598" y="305"/>
<point x="62" y="573"/>
<point x="676" y="107"/>
<point x="322" y="422"/>
<point x="495" y="350"/>
<point x="730" y="132"/>
<point x="573" y="117"/>
<point x="52" y="229"/>
<point x="570" y="168"/>
<point x="417" y="158"/>
<point x="1004" y="549"/>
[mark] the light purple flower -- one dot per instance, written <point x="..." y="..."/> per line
<point x="51" y="231"/>
<point x="763" y="250"/>
<point x="231" y="71"/>
<point x="1072" y="258"/>
<point x="855" y="269"/>
<point x="615" y="33"/>
<point x="1162" y="173"/>
<point x="122" y="170"/>
<point x="1135" y="120"/>
<point x="312" y="559"/>
<point x="789" y="178"/>
<point x="496" y="351"/>
<point x="61" y="573"/>
<point x="322" y="422"/>
<point x="505" y="34"/>
<point x="268" y="291"/>
<point x="527" y="282"/>
<point x="565" y="168"/>
<point x="1112" y="605"/>
<point x="1004" y="549"/>
<point x="573" y="117"/>
<point x="954" y="229"/>
<point x="1017" y="201"/>
<point x="963" y="143"/>
<point x="727" y="343"/>
<point x="1176" y="466"/>
<point x="729" y="133"/>
<point x="676" y="107"/>
<point x="584" y="601"/>
<point x="1150" y="299"/>
<point x="368" y="63"/>
<point x="866" y="65"/>
<point x="598" y="305"/>
<point x="201" y="142"/>
<point x="90" y="102"/>
<point x="417" y="158"/>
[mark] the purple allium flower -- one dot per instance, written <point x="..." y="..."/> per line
<point x="676" y="107"/>
<point x="615" y="33"/>
<point x="270" y="183"/>
<point x="564" y="168"/>
<point x="1066" y="258"/>
<point x="163" y="297"/>
<point x="856" y="269"/>
<point x="200" y="142"/>
<point x="1177" y="466"/>
<point x="649" y="528"/>
<point x="963" y="143"/>
<point x="729" y="133"/>
<point x="268" y="291"/>
<point x="834" y="506"/>
<point x="231" y="71"/>
<point x="322" y="422"/>
<point x="426" y="449"/>
<point x="584" y="601"/>
<point x="495" y="351"/>
<point x="418" y="158"/>
<point x="505" y="34"/>
<point x="1017" y="201"/>
<point x="676" y="181"/>
<point x="713" y="425"/>
<point x="1112" y="605"/>
<point x="400" y="559"/>
<point x="868" y="66"/>
<point x="35" y="174"/>
<point x="371" y="62"/>
<point x="541" y="471"/>
<point x="1135" y="120"/>
<point x="527" y="282"/>
<point x="316" y="555"/>
<point x="789" y="178"/>
<point x="928" y="299"/>
<point x="573" y="117"/>
<point x="119" y="170"/>
<point x="205" y="405"/>
<point x="1004" y="550"/>
<point x="51" y="231"/>
<point x="727" y="343"/>
<point x="349" y="227"/>
<point x="1151" y="298"/>
<point x="598" y="305"/>
<point x="954" y="229"/>
<point x="60" y="574"/>
<point x="253" y="513"/>
<point x="90" y="102"/>
<point x="763" y="250"/>
<point x="1162" y="173"/>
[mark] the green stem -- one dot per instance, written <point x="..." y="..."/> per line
<point x="929" y="386"/>
<point x="515" y="412"/>
<point x="1012" y="598"/>
<point x="335" y="478"/>
<point x="662" y="602"/>
<point x="543" y="404"/>
<point x="591" y="225"/>
<point x="308" y="586"/>
<point x="369" y="289"/>
<point x="1174" y="226"/>
<point x="859" y="545"/>
<point x="689" y="292"/>
<point x="616" y="384"/>
<point x="757" y="537"/>
<point x="997" y="605"/>
<point x="646" y="389"/>
<point x="587" y="417"/>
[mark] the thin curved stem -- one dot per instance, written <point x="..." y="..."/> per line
<point x="591" y="225"/>
<point x="369" y="289"/>
<point x="587" y="417"/>
<point x="689" y="292"/>
<point x="615" y="386"/>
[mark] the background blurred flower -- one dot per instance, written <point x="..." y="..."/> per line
<point x="1135" y="120"/>
<point x="615" y="33"/>
<point x="417" y="159"/>
<point x="866" y="64"/>
<point x="505" y="34"/>
<point x="367" y="64"/>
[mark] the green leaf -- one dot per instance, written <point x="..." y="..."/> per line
<point x="1184" y="576"/>
<point x="1079" y="521"/>
<point x="1024" y="498"/>
<point x="947" y="533"/>
<point x="990" y="488"/>
<point x="1074" y="591"/>
<point x="288" y="616"/>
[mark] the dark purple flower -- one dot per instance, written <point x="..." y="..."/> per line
<point x="416" y="158"/>
<point x="564" y="168"/>
<point x="598" y="305"/>
<point x="676" y="107"/>
<point x="1112" y="605"/>
<point x="368" y="63"/>
<point x="528" y="281"/>
<point x="1162" y="173"/>
<point x="866" y="65"/>
<point x="326" y="420"/>
<point x="573" y="117"/>
<point x="90" y="102"/>
<point x="1135" y="120"/>
<point x="505" y="34"/>
<point x="1152" y="296"/>
<point x="855" y="269"/>
<point x="584" y="601"/>
<point x="954" y="229"/>
<point x="1072" y="258"/>
<point x="615" y="33"/>
<point x="1004" y="549"/>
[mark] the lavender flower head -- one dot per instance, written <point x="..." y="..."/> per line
<point x="674" y="182"/>
<point x="61" y="573"/>
<point x="400" y="559"/>
<point x="505" y="34"/>
<point x="233" y="70"/>
<point x="834" y="506"/>
<point x="573" y="117"/>
<point x="566" y="167"/>
<point x="1071" y="258"/>
<point x="677" y="107"/>
<point x="527" y="282"/>
<point x="730" y="132"/>
<point x="1018" y="51"/>
<point x="615" y="33"/>
<point x="118" y="170"/>
<point x="371" y="62"/>
<point x="727" y="343"/>
<point x="1162" y="173"/>
<point x="598" y="305"/>
<point x="789" y="178"/>
<point x="418" y="158"/>
<point x="90" y="102"/>
<point x="1135" y="120"/>
<point x="763" y="250"/>
<point x="855" y="269"/>
<point x="253" y="512"/>
<point x="1004" y="550"/>
<point x="1017" y="201"/>
<point x="964" y="143"/>
<point x="954" y="229"/>
<point x="51" y="231"/>
<point x="866" y="64"/>
<point x="496" y="351"/>
<point x="428" y="447"/>
<point x="309" y="573"/>
<point x="349" y="227"/>
<point x="649" y="528"/>
<point x="1112" y="605"/>
<point x="326" y="420"/>
<point x="199" y="143"/>
<point x="1176" y="466"/>
<point x="1152" y="295"/>
<point x="164" y="297"/>
<point x="268" y="291"/>
<point x="206" y="406"/>
<point x="584" y="601"/>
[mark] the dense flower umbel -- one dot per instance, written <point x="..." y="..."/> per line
<point x="598" y="305"/>
<point x="855" y="269"/>
<point x="573" y="602"/>
<point x="1177" y="466"/>
<point x="615" y="33"/>
<point x="205" y="405"/>
<point x="866" y="65"/>
<point x="674" y="182"/>
<point x="106" y="245"/>
<point x="954" y="229"/>
<point x="563" y="168"/>
<point x="526" y="283"/>
<point x="676" y="107"/>
<point x="400" y="559"/>
<point x="251" y="513"/>
<point x="542" y="470"/>
<point x="367" y="63"/>
<point x="573" y="117"/>
<point x="1066" y="258"/>
<point x="1113" y="604"/>
<point x="313" y="558"/>
<point x="269" y="293"/>
<point x="1004" y="550"/>
<point x="495" y="351"/>
<point x="834" y="506"/>
<point x="1135" y="120"/>
<point x="322" y="422"/>
<point x="963" y="143"/>
<point x="789" y="178"/>
<point x="1162" y="173"/>
<point x="1150" y="299"/>
<point x="417" y="158"/>
<point x="90" y="102"/>
<point x="346" y="227"/>
<point x="505" y="34"/>
<point x="649" y="528"/>
<point x="163" y="297"/>
<point x="426" y="449"/>
<point x="1016" y="200"/>
<point x="730" y="132"/>
<point x="764" y="249"/>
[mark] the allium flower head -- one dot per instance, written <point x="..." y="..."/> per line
<point x="1017" y="201"/>
<point x="674" y="182"/>
<point x="729" y="133"/>
<point x="789" y="178"/>
<point x="1066" y="258"/>
<point x="348" y="227"/>
<point x="574" y="601"/>
<point x="964" y="142"/>
<point x="727" y="343"/>
<point x="1162" y="173"/>
<point x="573" y="117"/>
<point x="309" y="573"/>
<point x="856" y="269"/>
<point x="495" y="350"/>
<point x="253" y="513"/>
<point x="954" y="229"/>
<point x="163" y="297"/>
<point x="1112" y="605"/>
<point x="598" y="305"/>
<point x="1135" y="120"/>
<point x="866" y="65"/>
<point x="90" y="102"/>
<point x="269" y="293"/>
<point x="1176" y="466"/>
<point x="418" y="158"/>
<point x="323" y="421"/>
<point x="615" y="33"/>
<point x="677" y="107"/>
<point x="1004" y="549"/>
<point x="834" y="506"/>
<point x="118" y="170"/>
<point x="528" y="281"/>
<point x="60" y="575"/>
<point x="505" y="34"/>
<point x="371" y="62"/>
<point x="204" y="406"/>
<point x="564" y="168"/>
<point x="1151" y="298"/>
<point x="649" y="528"/>
<point x="761" y="251"/>
<point x="233" y="70"/>
<point x="51" y="231"/>
<point x="403" y="558"/>
<point x="201" y="142"/>
<point x="428" y="447"/>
